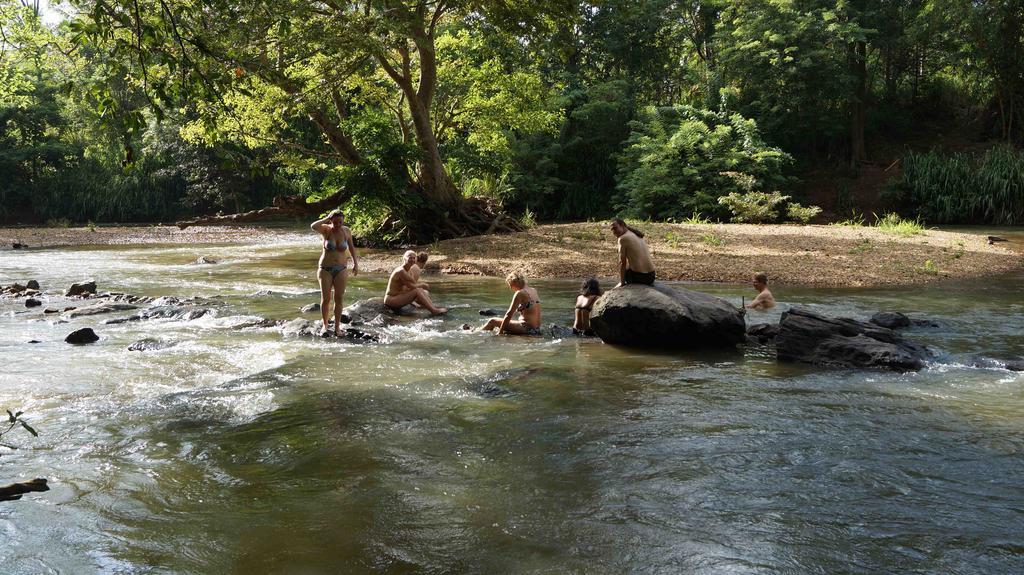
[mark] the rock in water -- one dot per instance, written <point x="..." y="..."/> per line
<point x="32" y="284"/>
<point x="97" y="309"/>
<point x="890" y="319"/>
<point x="84" y="335"/>
<point x="201" y="260"/>
<point x="150" y="344"/>
<point x="490" y="312"/>
<point x="310" y="308"/>
<point x="762" y="333"/>
<point x="663" y="317"/>
<point x="365" y="311"/>
<point x="33" y="302"/>
<point x="84" y="288"/>
<point x="807" y="337"/>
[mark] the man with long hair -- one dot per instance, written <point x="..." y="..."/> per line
<point x="635" y="264"/>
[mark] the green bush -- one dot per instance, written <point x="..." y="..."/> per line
<point x="679" y="160"/>
<point x="753" y="207"/>
<point x="963" y="188"/>
<point x="803" y="214"/>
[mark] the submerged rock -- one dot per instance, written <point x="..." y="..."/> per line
<point x="490" y="312"/>
<point x="807" y="337"/>
<point x="82" y="289"/>
<point x="994" y="363"/>
<point x="762" y="333"/>
<point x="663" y="317"/>
<point x="890" y="319"/>
<point x="32" y="284"/>
<point x="98" y="309"/>
<point x="84" y="335"/>
<point x="150" y="344"/>
<point x="310" y="308"/>
<point x="32" y="302"/>
<point x="203" y="260"/>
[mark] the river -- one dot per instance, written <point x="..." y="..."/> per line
<point x="442" y="451"/>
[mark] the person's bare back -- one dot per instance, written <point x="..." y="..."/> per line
<point x="764" y="299"/>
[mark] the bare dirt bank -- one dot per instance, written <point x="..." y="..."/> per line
<point x="798" y="255"/>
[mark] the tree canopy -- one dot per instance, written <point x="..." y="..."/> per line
<point x="431" y="118"/>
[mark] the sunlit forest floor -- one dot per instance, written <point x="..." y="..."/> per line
<point x="856" y="256"/>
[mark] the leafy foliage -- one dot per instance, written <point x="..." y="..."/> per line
<point x="680" y="160"/>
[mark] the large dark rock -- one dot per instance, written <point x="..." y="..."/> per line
<point x="84" y="288"/>
<point x="664" y="317"/>
<point x="84" y="335"/>
<point x="32" y="302"/>
<point x="807" y="337"/>
<point x="32" y="284"/>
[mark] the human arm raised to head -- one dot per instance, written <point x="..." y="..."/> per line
<point x="320" y="225"/>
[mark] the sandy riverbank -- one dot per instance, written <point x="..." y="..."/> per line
<point x="796" y="255"/>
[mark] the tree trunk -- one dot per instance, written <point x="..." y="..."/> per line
<point x="858" y="112"/>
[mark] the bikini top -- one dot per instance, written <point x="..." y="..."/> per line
<point x="330" y="247"/>
<point x="527" y="305"/>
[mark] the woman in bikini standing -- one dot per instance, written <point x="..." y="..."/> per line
<point x="526" y="303"/>
<point x="332" y="270"/>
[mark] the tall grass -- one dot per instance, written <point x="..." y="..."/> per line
<point x="894" y="224"/>
<point x="964" y="188"/>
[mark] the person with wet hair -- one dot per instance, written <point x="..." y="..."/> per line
<point x="635" y="263"/>
<point x="421" y="263"/>
<point x="525" y="302"/>
<point x="332" y="269"/>
<point x="765" y="299"/>
<point x="589" y="292"/>
<point x="402" y="290"/>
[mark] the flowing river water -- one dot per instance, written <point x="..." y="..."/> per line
<point x="441" y="451"/>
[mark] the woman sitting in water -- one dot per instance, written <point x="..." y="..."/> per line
<point x="589" y="292"/>
<point x="333" y="267"/>
<point x="525" y="302"/>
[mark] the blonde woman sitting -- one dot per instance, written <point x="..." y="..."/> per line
<point x="526" y="303"/>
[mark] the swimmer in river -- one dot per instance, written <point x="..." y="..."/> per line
<point x="332" y="269"/>
<point x="525" y="302"/>
<point x="589" y="292"/>
<point x="635" y="264"/>
<point x="403" y="290"/>
<point x="764" y="299"/>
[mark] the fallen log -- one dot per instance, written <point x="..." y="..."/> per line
<point x="14" y="491"/>
<point x="283" y="206"/>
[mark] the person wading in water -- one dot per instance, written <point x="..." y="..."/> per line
<point x="332" y="269"/>
<point x="635" y="264"/>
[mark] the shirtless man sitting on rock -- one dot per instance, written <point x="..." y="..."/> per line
<point x="764" y="299"/>
<point x="403" y="289"/>
<point x="635" y="264"/>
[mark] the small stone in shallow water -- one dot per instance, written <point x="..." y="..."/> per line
<point x="82" y="289"/>
<point x="84" y="335"/>
<point x="32" y="284"/>
<point x="310" y="308"/>
<point x="204" y="260"/>
<point x="48" y="310"/>
<point x="32" y="302"/>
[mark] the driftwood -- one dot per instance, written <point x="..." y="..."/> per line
<point x="283" y="206"/>
<point x="14" y="491"/>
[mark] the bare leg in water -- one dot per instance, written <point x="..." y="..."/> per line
<point x="340" y="281"/>
<point x="417" y="295"/>
<point x="326" y="287"/>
